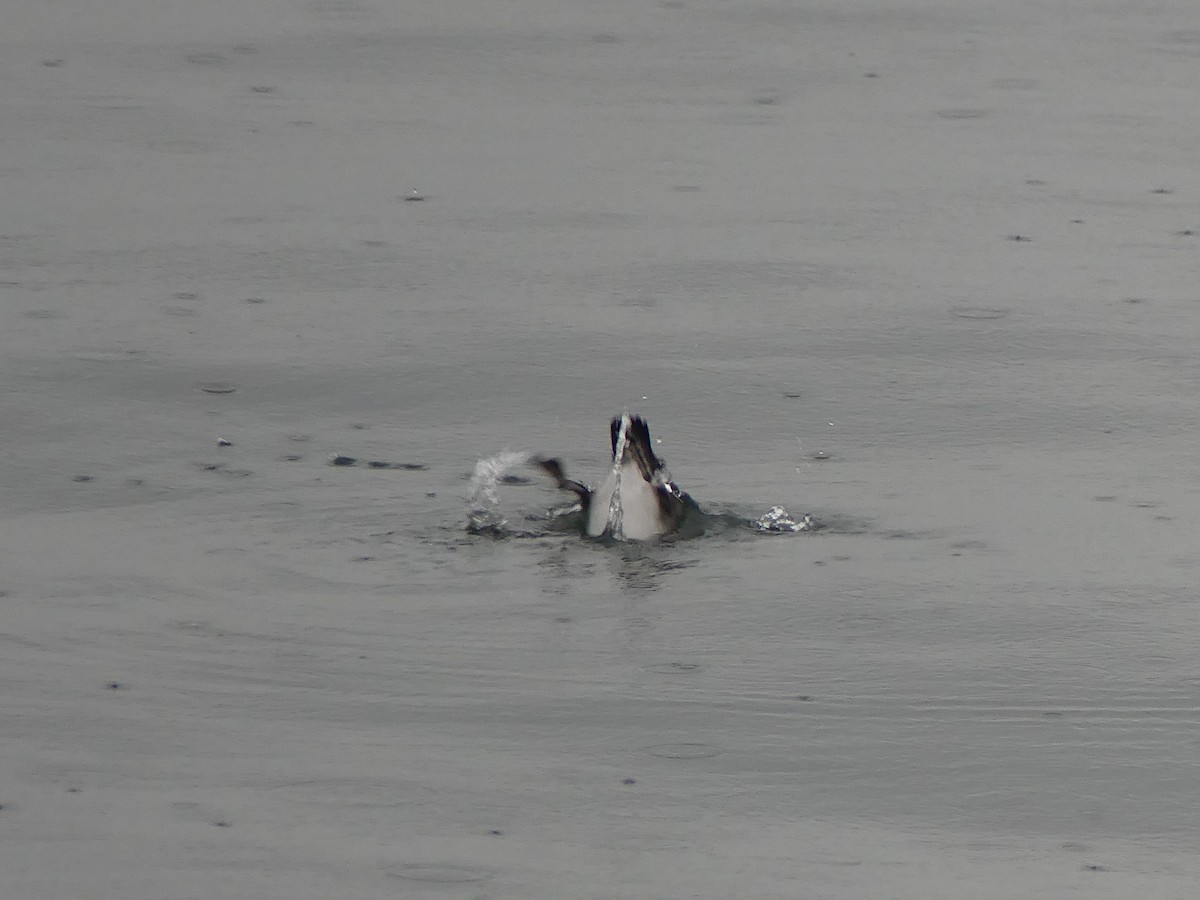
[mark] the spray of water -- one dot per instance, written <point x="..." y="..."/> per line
<point x="615" y="513"/>
<point x="483" y="507"/>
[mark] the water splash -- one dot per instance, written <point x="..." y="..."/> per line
<point x="779" y="521"/>
<point x="615" y="514"/>
<point x="483" y="507"/>
<point x="484" y="515"/>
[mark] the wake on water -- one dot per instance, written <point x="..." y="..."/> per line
<point x="485" y="516"/>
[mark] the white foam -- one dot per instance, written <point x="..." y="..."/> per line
<point x="779" y="519"/>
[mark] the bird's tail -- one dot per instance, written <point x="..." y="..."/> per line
<point x="637" y="444"/>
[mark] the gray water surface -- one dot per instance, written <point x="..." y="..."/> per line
<point x="926" y="272"/>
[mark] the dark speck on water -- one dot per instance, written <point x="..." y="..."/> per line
<point x="384" y="464"/>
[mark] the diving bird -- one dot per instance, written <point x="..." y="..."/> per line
<point x="637" y="500"/>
